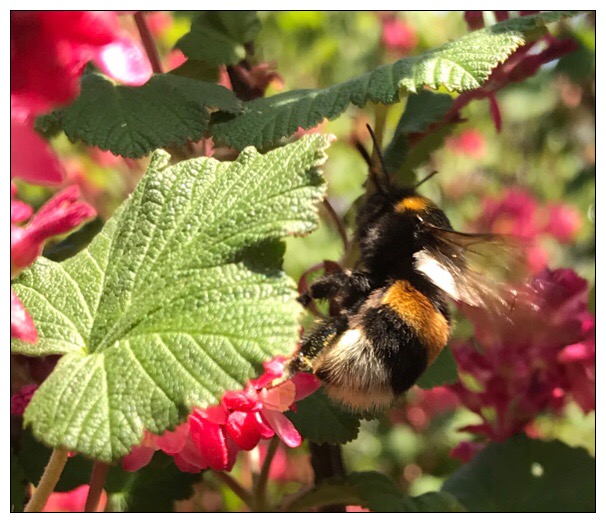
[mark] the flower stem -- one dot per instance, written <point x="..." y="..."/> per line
<point x="338" y="223"/>
<point x="260" y="489"/>
<point x="49" y="479"/>
<point x="235" y="486"/>
<point x="148" y="42"/>
<point x="97" y="480"/>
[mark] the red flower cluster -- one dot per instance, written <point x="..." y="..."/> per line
<point x="212" y="437"/>
<point x="518" y="213"/>
<point x="532" y="361"/>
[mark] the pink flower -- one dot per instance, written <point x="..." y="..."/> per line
<point x="212" y="437"/>
<point x="21" y="399"/>
<point x="469" y="143"/>
<point x="73" y="501"/>
<point x="22" y="326"/>
<point x="564" y="222"/>
<point x="531" y="361"/>
<point x="397" y="35"/>
<point x="62" y="213"/>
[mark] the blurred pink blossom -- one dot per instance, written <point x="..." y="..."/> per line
<point x="466" y="450"/>
<point x="21" y="399"/>
<point x="22" y="326"/>
<point x="19" y="210"/>
<point x="32" y="159"/>
<point x="564" y="222"/>
<point x="517" y="213"/>
<point x="531" y="361"/>
<point x="474" y="19"/>
<point x="423" y="406"/>
<point x="397" y="35"/>
<point x="49" y="50"/>
<point x="73" y="500"/>
<point x="212" y="437"/>
<point x="470" y="143"/>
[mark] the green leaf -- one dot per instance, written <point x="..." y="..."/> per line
<point x="526" y="475"/>
<point x="321" y="421"/>
<point x="154" y="488"/>
<point x="178" y="299"/>
<point x="217" y="37"/>
<point x="443" y="371"/>
<point x="458" y="66"/>
<point x="129" y="121"/>
<point x="422" y="110"/>
<point x="374" y="491"/>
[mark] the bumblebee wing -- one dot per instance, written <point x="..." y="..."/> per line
<point x="471" y="268"/>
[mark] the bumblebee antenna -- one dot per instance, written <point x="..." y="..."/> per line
<point x="375" y="142"/>
<point x="373" y="174"/>
<point x="431" y="175"/>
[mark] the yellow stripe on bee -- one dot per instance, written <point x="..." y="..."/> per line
<point x="413" y="203"/>
<point x="420" y="315"/>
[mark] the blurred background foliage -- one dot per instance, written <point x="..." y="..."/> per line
<point x="545" y="149"/>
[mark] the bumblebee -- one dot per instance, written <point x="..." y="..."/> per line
<point x="392" y="316"/>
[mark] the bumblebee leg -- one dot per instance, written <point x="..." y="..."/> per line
<point x="343" y="283"/>
<point x="315" y="343"/>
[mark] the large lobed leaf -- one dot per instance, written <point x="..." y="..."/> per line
<point x="167" y="111"/>
<point x="460" y="65"/>
<point x="178" y="299"/>
<point x="526" y="475"/>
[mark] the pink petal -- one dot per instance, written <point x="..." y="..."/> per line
<point x="138" y="457"/>
<point x="305" y="384"/>
<point x="215" y="414"/>
<point x="273" y="370"/>
<point x="124" y="60"/>
<point x="59" y="215"/>
<point x="190" y="455"/>
<point x="283" y="427"/>
<point x="244" y="429"/>
<point x="280" y="397"/>
<point x="172" y="442"/>
<point x="265" y="430"/>
<point x="31" y="157"/>
<point x="185" y="466"/>
<point x="209" y="438"/>
<point x="241" y="400"/>
<point x="22" y="326"/>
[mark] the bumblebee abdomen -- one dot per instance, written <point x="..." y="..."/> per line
<point x="415" y="309"/>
